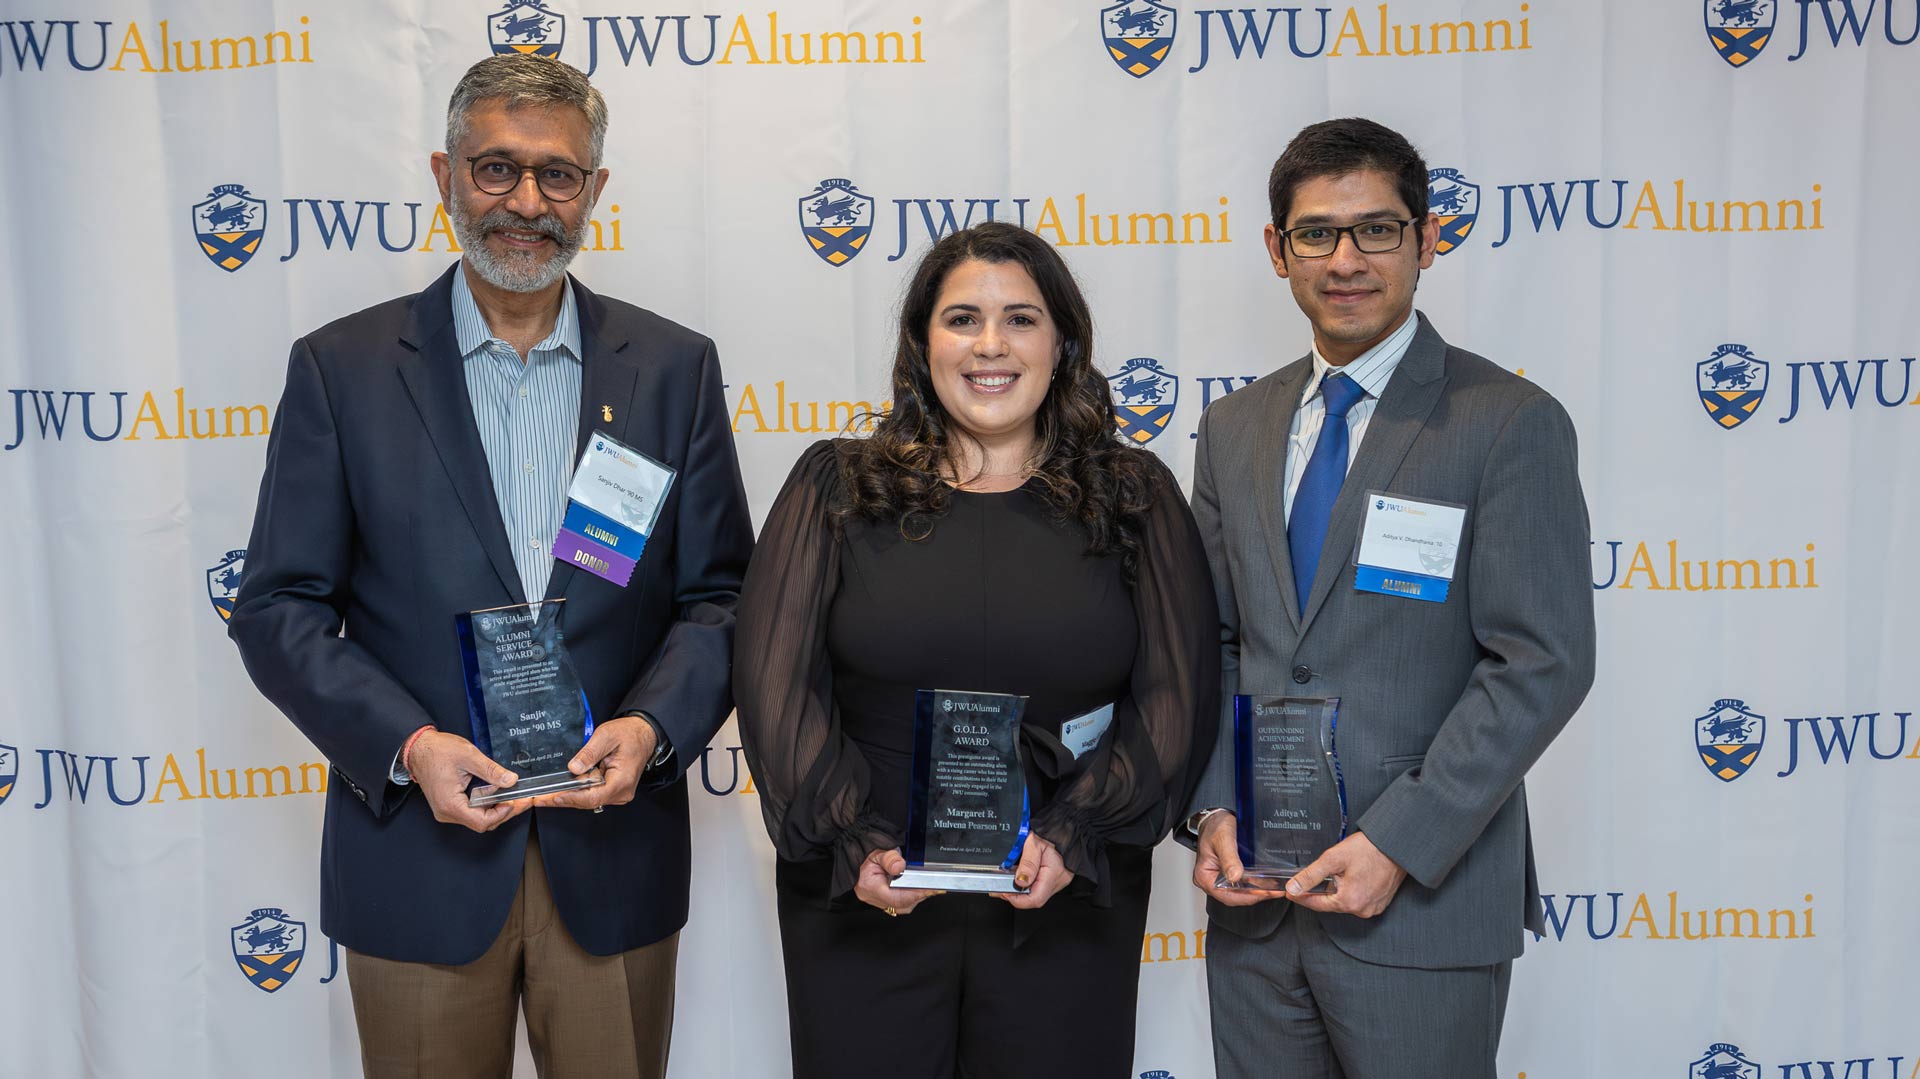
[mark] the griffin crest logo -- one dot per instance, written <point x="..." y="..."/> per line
<point x="1731" y="384"/>
<point x="1723" y="1061"/>
<point x="1144" y="396"/>
<point x="9" y="769"/>
<point x="1455" y="201"/>
<point x="1728" y="738"/>
<point x="269" y="946"/>
<point x="223" y="582"/>
<point x="836" y="219"/>
<point x="1739" y="29"/>
<point x="229" y="224"/>
<point x="527" y="26"/>
<point x="1138" y="35"/>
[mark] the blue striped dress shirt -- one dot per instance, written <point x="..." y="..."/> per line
<point x="528" y="415"/>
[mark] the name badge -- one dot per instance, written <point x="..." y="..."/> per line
<point x="612" y="506"/>
<point x="1081" y="733"/>
<point x="1408" y="547"/>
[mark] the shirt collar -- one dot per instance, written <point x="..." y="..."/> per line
<point x="1372" y="369"/>
<point x="471" y="330"/>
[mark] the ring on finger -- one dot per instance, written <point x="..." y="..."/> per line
<point x="891" y="913"/>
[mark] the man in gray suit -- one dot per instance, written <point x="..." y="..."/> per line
<point x="1446" y="697"/>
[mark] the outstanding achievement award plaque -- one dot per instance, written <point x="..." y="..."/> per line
<point x="1290" y="801"/>
<point x="967" y="811"/>
<point x="528" y="710"/>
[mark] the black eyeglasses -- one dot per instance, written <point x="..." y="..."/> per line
<point x="559" y="181"/>
<point x="1369" y="237"/>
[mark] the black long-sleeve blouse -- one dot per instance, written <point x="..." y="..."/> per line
<point x="836" y="632"/>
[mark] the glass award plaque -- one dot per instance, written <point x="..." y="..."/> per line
<point x="1290" y="802"/>
<point x="528" y="710"/>
<point x="967" y="809"/>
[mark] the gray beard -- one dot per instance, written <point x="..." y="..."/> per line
<point x="517" y="271"/>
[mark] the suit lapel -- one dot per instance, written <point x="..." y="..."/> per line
<point x="1270" y="477"/>
<point x="434" y="377"/>
<point x="607" y="379"/>
<point x="1397" y="420"/>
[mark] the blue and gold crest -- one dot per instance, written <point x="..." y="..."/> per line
<point x="836" y="219"/>
<point x="1729" y="737"/>
<point x="527" y="26"/>
<point x="1139" y="34"/>
<point x="9" y="770"/>
<point x="1739" y="29"/>
<point x="1723" y="1061"/>
<point x="229" y="225"/>
<point x="223" y="582"/>
<point x="268" y="946"/>
<point x="1731" y="383"/>
<point x="1144" y="395"/>
<point x="1455" y="201"/>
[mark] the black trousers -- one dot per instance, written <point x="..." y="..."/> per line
<point x="946" y="993"/>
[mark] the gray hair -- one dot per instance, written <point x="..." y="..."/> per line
<point x="525" y="80"/>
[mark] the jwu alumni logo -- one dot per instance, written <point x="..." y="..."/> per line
<point x="1729" y="738"/>
<point x="1138" y="34"/>
<point x="1723" y="1061"/>
<point x="223" y="582"/>
<point x="527" y="26"/>
<point x="269" y="946"/>
<point x="1739" y="29"/>
<point x="229" y="225"/>
<point x="9" y="768"/>
<point x="1732" y="382"/>
<point x="1455" y="200"/>
<point x="1144" y="396"/>
<point x="836" y="219"/>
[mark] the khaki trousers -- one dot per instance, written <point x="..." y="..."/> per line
<point x="587" y="1015"/>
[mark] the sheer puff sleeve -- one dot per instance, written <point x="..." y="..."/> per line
<point x="1142" y="775"/>
<point x="813" y="783"/>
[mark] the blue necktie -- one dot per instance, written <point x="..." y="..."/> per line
<point x="1320" y="484"/>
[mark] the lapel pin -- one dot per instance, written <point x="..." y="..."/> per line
<point x="606" y="413"/>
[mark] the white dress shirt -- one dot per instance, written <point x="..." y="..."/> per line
<point x="1371" y="369"/>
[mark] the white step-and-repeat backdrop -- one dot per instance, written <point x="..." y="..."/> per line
<point x="1695" y="223"/>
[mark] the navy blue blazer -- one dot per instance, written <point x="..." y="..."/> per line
<point x="377" y="516"/>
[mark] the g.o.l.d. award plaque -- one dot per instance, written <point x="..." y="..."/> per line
<point x="967" y="810"/>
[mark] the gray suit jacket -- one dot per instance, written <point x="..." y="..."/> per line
<point x="1443" y="706"/>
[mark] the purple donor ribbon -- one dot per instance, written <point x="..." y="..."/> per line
<point x="577" y="550"/>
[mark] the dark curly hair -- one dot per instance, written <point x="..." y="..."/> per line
<point x="1084" y="470"/>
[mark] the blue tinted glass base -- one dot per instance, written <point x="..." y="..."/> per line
<point x="1275" y="880"/>
<point x="530" y="786"/>
<point x="958" y="879"/>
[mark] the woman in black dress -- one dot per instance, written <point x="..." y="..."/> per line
<point x="993" y="534"/>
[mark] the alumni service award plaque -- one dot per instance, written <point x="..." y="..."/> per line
<point x="529" y="713"/>
<point x="967" y="810"/>
<point x="1290" y="801"/>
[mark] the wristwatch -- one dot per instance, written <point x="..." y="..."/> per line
<point x="663" y="749"/>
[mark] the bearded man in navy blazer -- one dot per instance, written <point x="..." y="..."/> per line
<point x="1445" y="700"/>
<point x="418" y="468"/>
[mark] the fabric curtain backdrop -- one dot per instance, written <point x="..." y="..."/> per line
<point x="1686" y="219"/>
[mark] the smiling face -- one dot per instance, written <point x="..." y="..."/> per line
<point x="991" y="350"/>
<point x="1354" y="300"/>
<point x="521" y="241"/>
